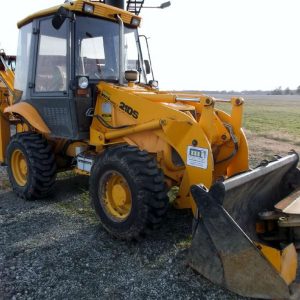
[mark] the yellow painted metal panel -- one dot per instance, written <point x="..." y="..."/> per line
<point x="4" y="135"/>
<point x="284" y="262"/>
<point x="138" y="107"/>
<point x="101" y="10"/>
<point x="289" y="264"/>
<point x="30" y="114"/>
<point x="272" y="255"/>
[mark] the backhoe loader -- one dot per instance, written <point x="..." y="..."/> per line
<point x="83" y="98"/>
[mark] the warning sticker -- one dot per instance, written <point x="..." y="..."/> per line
<point x="107" y="111"/>
<point x="106" y="107"/>
<point x="197" y="157"/>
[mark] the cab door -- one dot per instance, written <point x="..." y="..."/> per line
<point x="50" y="91"/>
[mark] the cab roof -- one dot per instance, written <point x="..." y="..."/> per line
<point x="100" y="10"/>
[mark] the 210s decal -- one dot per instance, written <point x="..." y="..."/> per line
<point x="129" y="110"/>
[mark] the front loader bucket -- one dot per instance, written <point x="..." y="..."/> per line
<point x="225" y="247"/>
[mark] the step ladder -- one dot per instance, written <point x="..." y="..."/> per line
<point x="135" y="6"/>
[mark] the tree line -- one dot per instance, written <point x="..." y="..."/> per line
<point x="287" y="91"/>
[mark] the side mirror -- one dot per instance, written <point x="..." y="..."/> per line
<point x="60" y="17"/>
<point x="165" y="5"/>
<point x="147" y="66"/>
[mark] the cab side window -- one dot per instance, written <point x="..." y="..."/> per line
<point x="23" y="67"/>
<point x="51" y="69"/>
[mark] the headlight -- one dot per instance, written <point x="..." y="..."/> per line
<point x="88" y="8"/>
<point x="153" y="84"/>
<point x="135" y="22"/>
<point x="83" y="82"/>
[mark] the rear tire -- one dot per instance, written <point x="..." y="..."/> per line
<point x="128" y="192"/>
<point x="31" y="165"/>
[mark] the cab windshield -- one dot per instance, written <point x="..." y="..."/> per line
<point x="98" y="49"/>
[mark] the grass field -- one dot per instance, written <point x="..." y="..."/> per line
<point x="274" y="117"/>
<point x="272" y="124"/>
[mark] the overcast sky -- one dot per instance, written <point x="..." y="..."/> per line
<point x="206" y="44"/>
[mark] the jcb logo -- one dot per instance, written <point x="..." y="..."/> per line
<point x="129" y="110"/>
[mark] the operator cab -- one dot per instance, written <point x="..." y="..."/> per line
<point x="64" y="54"/>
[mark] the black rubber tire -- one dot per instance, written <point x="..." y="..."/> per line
<point x="40" y="162"/>
<point x="146" y="183"/>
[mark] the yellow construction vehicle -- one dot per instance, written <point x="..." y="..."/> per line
<point x="7" y="66"/>
<point x="84" y="98"/>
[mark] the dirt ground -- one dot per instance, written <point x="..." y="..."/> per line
<point x="261" y="147"/>
<point x="56" y="249"/>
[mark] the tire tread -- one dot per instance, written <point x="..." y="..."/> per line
<point x="42" y="165"/>
<point x="149" y="179"/>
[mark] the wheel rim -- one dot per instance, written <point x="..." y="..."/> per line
<point x="115" y="196"/>
<point x="19" y="167"/>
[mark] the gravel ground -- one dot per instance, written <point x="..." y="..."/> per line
<point x="56" y="249"/>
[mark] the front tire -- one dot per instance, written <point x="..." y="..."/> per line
<point x="128" y="192"/>
<point x="31" y="165"/>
